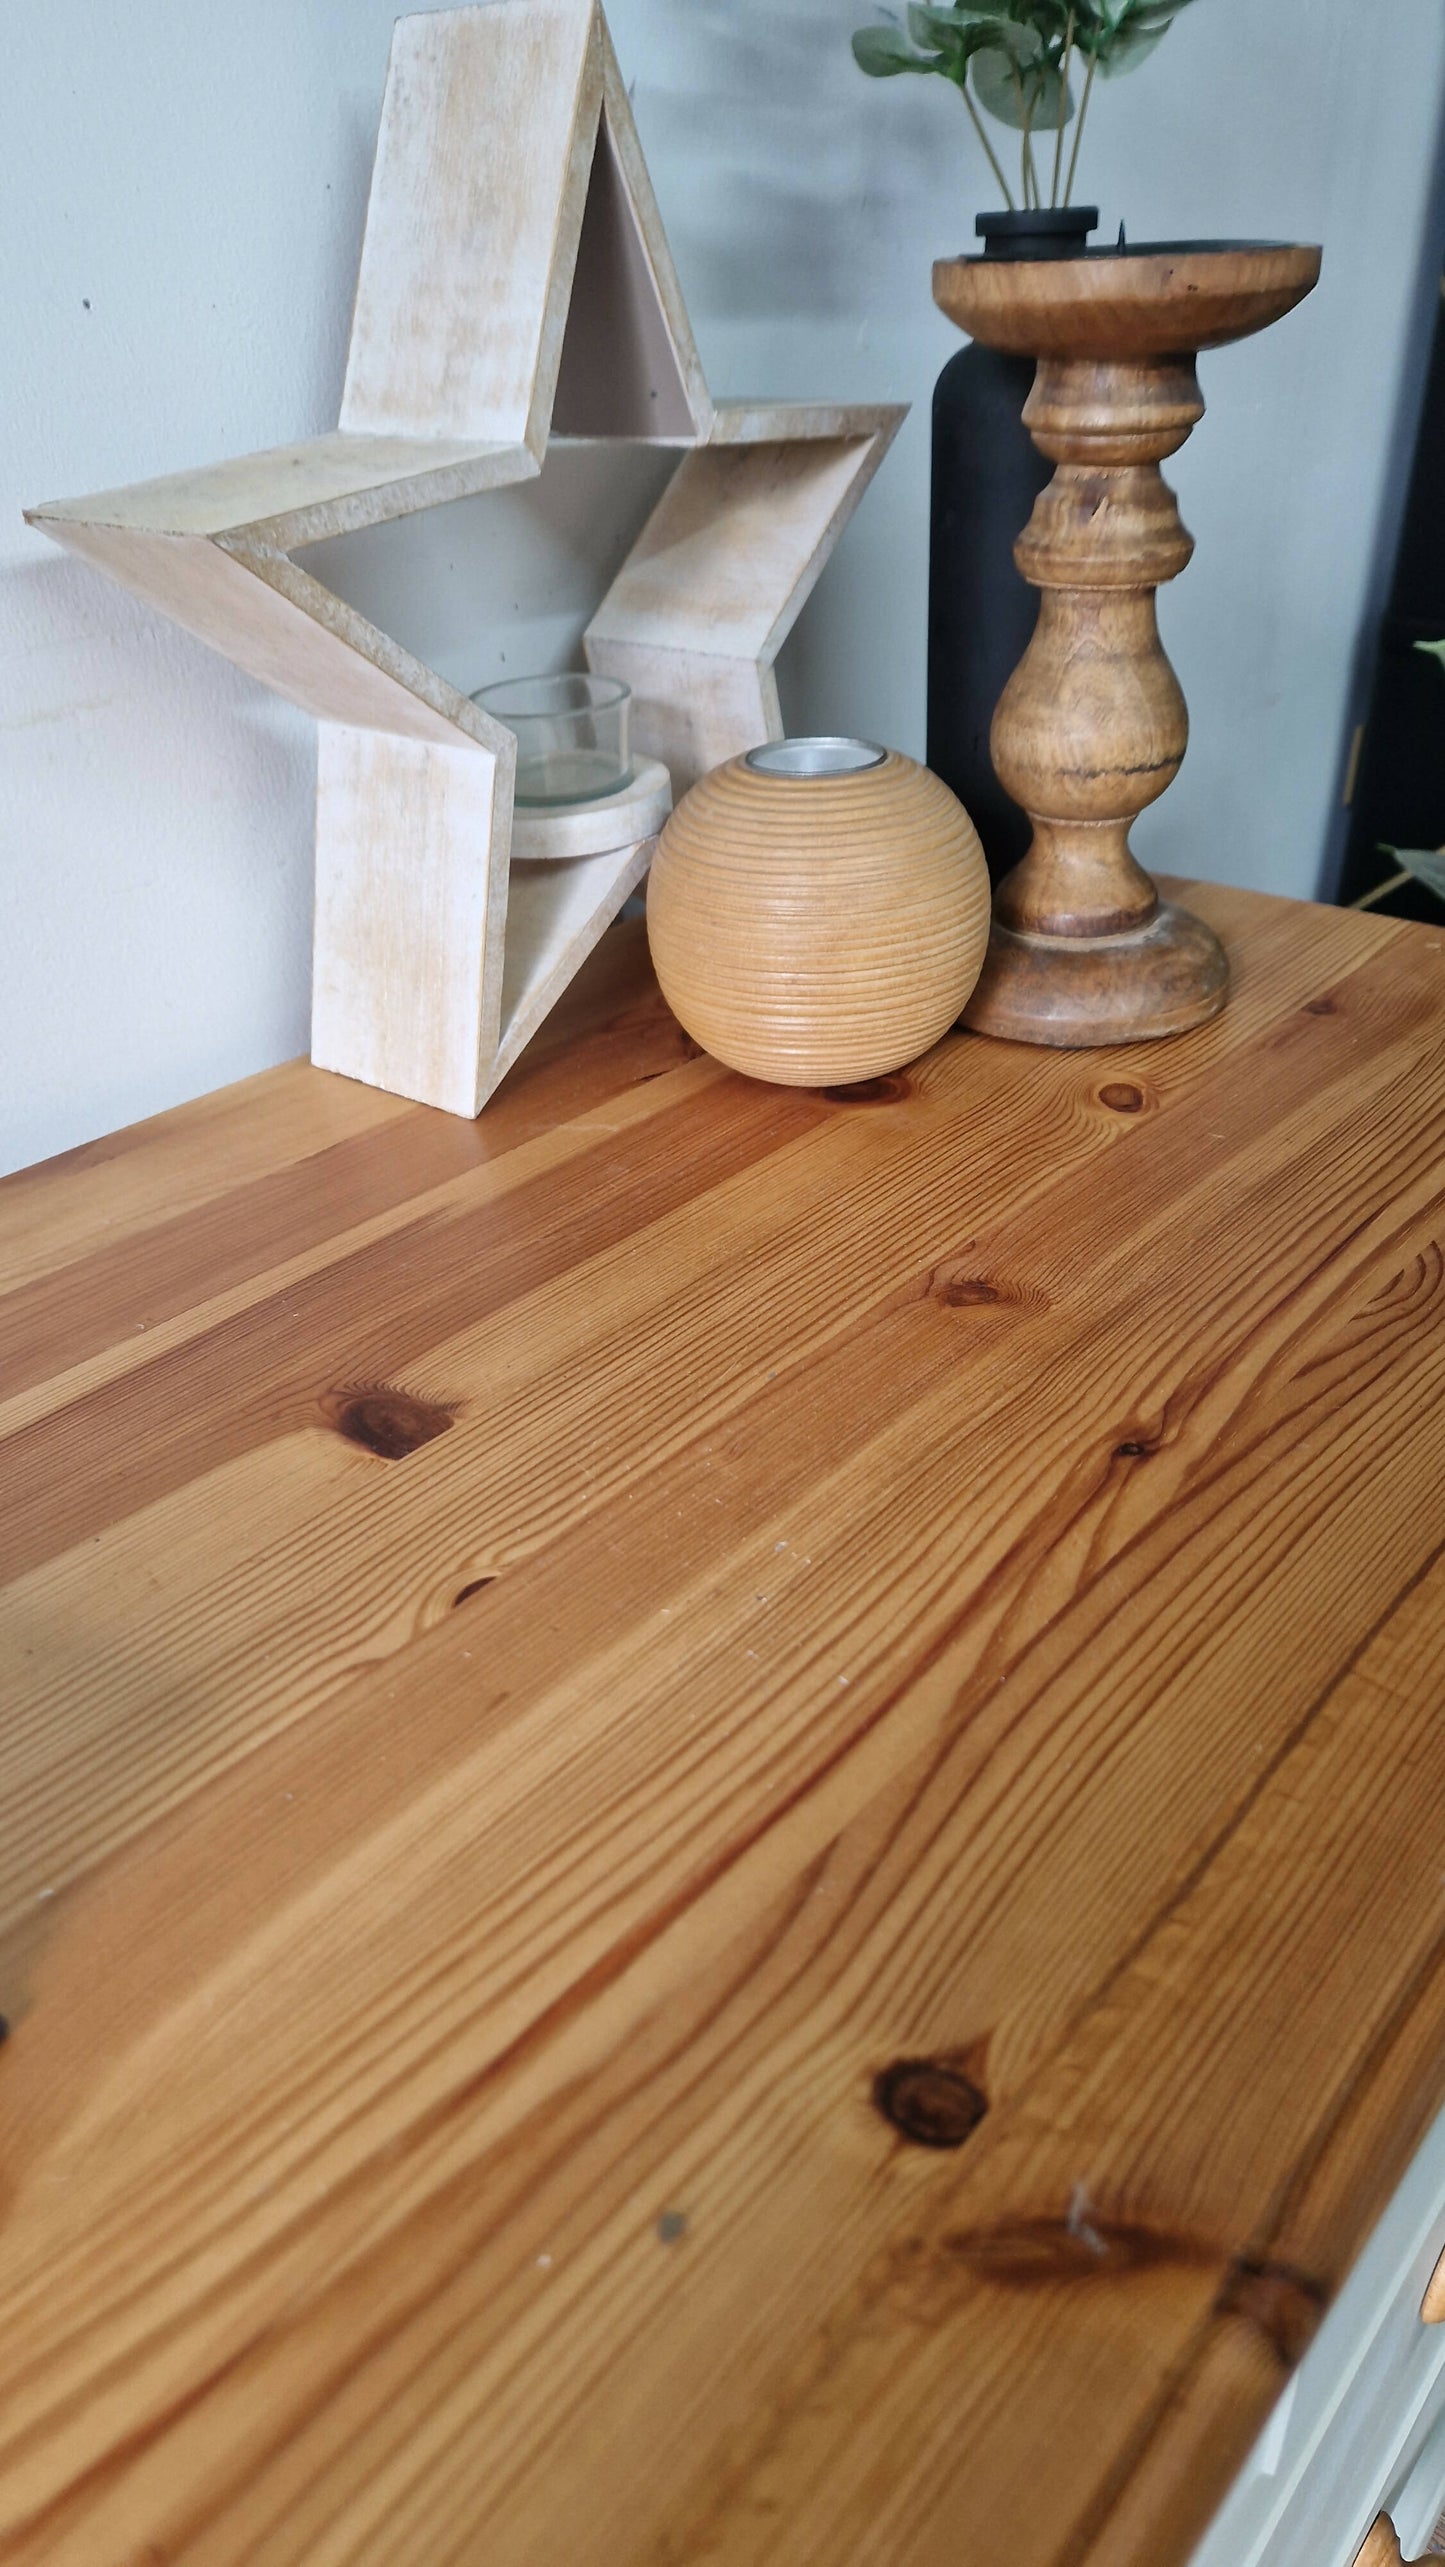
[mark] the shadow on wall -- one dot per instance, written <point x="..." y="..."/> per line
<point x="772" y="90"/>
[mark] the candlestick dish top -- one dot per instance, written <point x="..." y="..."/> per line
<point x="1155" y="298"/>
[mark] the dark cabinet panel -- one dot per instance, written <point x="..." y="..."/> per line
<point x="1399" y="783"/>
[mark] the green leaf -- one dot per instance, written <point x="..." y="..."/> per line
<point x="1019" y="42"/>
<point x="1121" y="33"/>
<point x="951" y="31"/>
<point x="959" y="17"/>
<point x="935" y="33"/>
<point x="881" y="51"/>
<point x="1023" y="41"/>
<point x="1131" y="46"/>
<point x="1031" y="95"/>
<point x="1437" y="652"/>
<point x="1427" y="864"/>
<point x="1100" y="18"/>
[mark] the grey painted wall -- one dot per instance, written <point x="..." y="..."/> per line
<point x="181" y="190"/>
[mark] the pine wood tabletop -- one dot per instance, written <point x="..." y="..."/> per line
<point x="720" y="1806"/>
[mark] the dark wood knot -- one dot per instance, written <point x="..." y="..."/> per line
<point x="1280" y="2302"/>
<point x="888" y="1090"/>
<point x="967" y="1292"/>
<point x="389" y="1423"/>
<point x="929" y="2101"/>
<point x="1122" y="1097"/>
<point x="956" y="1287"/>
<point x="473" y="1587"/>
<point x="1322" y="1007"/>
<point x="1137" y="1448"/>
<point x="1085" y="2245"/>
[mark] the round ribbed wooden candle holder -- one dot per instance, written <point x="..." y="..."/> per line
<point x="818" y="912"/>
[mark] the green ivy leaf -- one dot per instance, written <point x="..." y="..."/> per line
<point x="1097" y="20"/>
<point x="1131" y="46"/>
<point x="1155" y="13"/>
<point x="1018" y="38"/>
<point x="934" y="33"/>
<point x="1014" y="48"/>
<point x="1114" y="32"/>
<point x="960" y="17"/>
<point x="951" y="31"/>
<point x="1427" y="864"/>
<point x="1031" y="93"/>
<point x="882" y="51"/>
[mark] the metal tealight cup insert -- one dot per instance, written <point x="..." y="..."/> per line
<point x="815" y="757"/>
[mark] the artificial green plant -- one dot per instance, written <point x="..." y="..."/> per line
<point x="1019" y="61"/>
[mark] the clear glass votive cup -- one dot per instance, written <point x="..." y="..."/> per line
<point x="571" y="735"/>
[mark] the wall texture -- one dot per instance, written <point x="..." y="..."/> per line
<point x="181" y="191"/>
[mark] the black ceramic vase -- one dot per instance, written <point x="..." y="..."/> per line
<point x="987" y="473"/>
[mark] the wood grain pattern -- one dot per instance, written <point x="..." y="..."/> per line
<point x="461" y="297"/>
<point x="719" y="1819"/>
<point x="287" y="631"/>
<point x="718" y="576"/>
<point x="1381" y="2547"/>
<point x="691" y="709"/>
<point x="1160" y="303"/>
<point x="734" y="545"/>
<point x="288" y="496"/>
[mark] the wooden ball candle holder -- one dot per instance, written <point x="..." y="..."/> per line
<point x="818" y="911"/>
<point x="1092" y="726"/>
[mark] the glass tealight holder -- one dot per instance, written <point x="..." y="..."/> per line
<point x="571" y="735"/>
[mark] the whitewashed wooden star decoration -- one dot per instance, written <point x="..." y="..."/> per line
<point x="516" y="288"/>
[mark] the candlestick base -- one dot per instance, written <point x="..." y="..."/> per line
<point x="1074" y="991"/>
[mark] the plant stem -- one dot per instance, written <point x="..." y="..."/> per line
<point x="1368" y="899"/>
<point x="1063" y="93"/>
<point x="1079" y="127"/>
<point x="1026" y="150"/>
<point x="993" y="159"/>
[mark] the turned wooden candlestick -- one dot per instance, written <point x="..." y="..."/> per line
<point x="1092" y="725"/>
